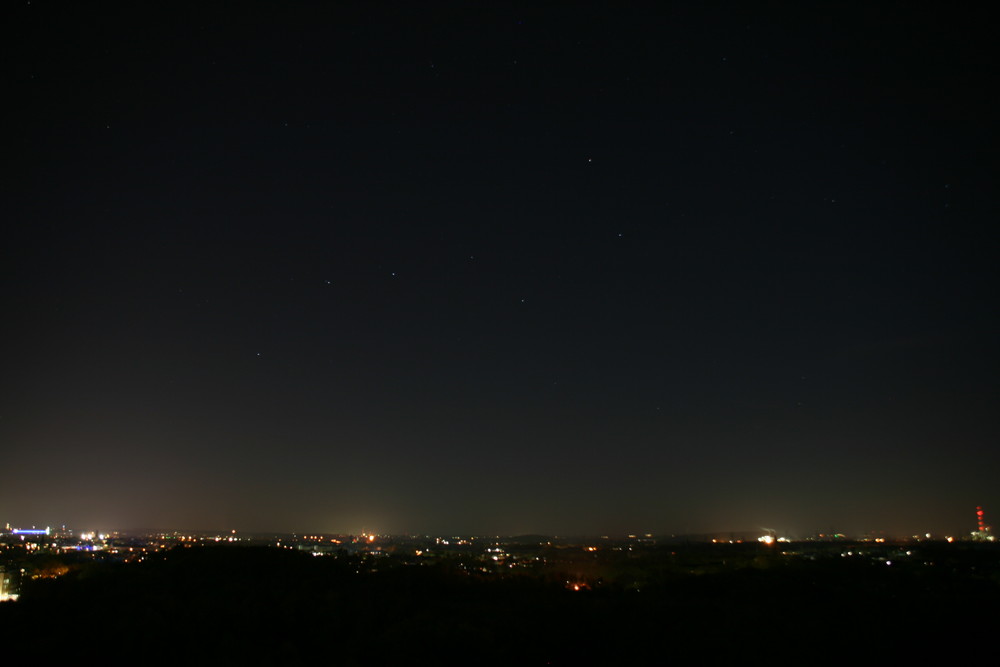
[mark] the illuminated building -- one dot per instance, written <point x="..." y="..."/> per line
<point x="982" y="530"/>
<point x="9" y="584"/>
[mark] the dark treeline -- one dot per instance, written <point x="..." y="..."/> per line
<point x="233" y="603"/>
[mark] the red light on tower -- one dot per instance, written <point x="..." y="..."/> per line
<point x="980" y="520"/>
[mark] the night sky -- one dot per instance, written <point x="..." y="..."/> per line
<point x="666" y="268"/>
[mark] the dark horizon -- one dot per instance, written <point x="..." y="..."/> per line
<point x="747" y="536"/>
<point x="501" y="271"/>
<point x="961" y="532"/>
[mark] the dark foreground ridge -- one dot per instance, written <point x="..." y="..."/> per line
<point x="242" y="602"/>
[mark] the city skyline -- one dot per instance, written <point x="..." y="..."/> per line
<point x="977" y="526"/>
